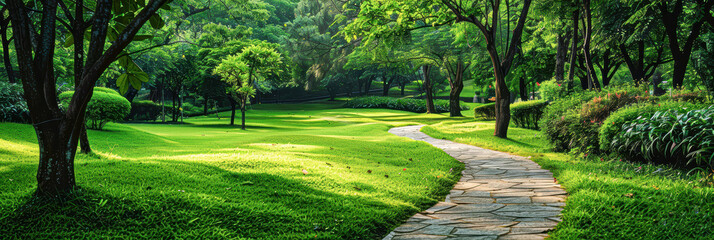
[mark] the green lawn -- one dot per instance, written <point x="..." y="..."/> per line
<point x="608" y="199"/>
<point x="204" y="179"/>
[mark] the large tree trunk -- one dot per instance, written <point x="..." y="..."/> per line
<point x="503" y="96"/>
<point x="428" y="89"/>
<point x="457" y="85"/>
<point x="242" y="112"/>
<point x="560" y="56"/>
<point x="386" y="84"/>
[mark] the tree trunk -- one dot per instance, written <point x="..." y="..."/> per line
<point x="503" y="96"/>
<point x="457" y="85"/>
<point x="402" y="88"/>
<point x="6" y="50"/>
<point x="593" y="82"/>
<point x="368" y="86"/>
<point x="428" y="89"/>
<point x="84" y="140"/>
<point x="523" y="88"/>
<point x="680" y="55"/>
<point x="386" y="84"/>
<point x="573" y="50"/>
<point x="242" y="112"/>
<point x="561" y="54"/>
<point x="233" y="111"/>
<point x="205" y="106"/>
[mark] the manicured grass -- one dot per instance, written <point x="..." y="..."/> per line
<point x="608" y="199"/>
<point x="204" y="179"/>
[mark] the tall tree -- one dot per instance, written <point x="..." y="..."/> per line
<point x="57" y="131"/>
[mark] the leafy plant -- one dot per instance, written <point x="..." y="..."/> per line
<point x="613" y="124"/>
<point x="145" y="110"/>
<point x="527" y="114"/>
<point x="551" y="90"/>
<point x="668" y="137"/>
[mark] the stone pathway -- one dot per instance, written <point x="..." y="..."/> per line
<point x="500" y="196"/>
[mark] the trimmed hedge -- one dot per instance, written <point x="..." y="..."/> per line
<point x="13" y="107"/>
<point x="106" y="90"/>
<point x="613" y="124"/>
<point x="403" y="104"/>
<point x="486" y="111"/>
<point x="144" y="111"/>
<point x="104" y="107"/>
<point x="669" y="137"/>
<point x="527" y="114"/>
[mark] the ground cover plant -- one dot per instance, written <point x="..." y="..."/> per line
<point x="300" y="171"/>
<point x="607" y="198"/>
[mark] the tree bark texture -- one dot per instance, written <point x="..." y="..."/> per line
<point x="428" y="89"/>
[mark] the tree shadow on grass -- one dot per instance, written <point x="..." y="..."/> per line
<point x="260" y="206"/>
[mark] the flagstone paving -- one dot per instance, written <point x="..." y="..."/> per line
<point x="499" y="196"/>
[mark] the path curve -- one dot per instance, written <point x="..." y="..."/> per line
<point x="499" y="196"/>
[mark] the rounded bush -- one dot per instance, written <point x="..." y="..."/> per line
<point x="486" y="111"/>
<point x="104" y="107"/>
<point x="106" y="90"/>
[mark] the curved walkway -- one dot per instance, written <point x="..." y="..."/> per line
<point x="499" y="196"/>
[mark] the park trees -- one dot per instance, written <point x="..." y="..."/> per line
<point x="243" y="71"/>
<point x="379" y="20"/>
<point x="57" y="131"/>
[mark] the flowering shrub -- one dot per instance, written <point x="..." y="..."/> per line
<point x="599" y="108"/>
<point x="551" y="90"/>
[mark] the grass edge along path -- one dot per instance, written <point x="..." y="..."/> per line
<point x="608" y="198"/>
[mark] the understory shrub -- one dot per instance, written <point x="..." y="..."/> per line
<point x="13" y="107"/>
<point x="613" y="124"/>
<point x="526" y="114"/>
<point x="144" y="111"/>
<point x="670" y="137"/>
<point x="403" y="104"/>
<point x="486" y="111"/>
<point x="685" y="96"/>
<point x="551" y="90"/>
<point x="573" y="123"/>
<point x="104" y="107"/>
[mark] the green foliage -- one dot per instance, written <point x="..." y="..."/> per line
<point x="145" y="110"/>
<point x="560" y="114"/>
<point x="103" y="108"/>
<point x="403" y="104"/>
<point x="485" y="111"/>
<point x="105" y="90"/>
<point x="613" y="124"/>
<point x="527" y="114"/>
<point x="13" y="107"/>
<point x="551" y="90"/>
<point x="685" y="95"/>
<point x="670" y="137"/>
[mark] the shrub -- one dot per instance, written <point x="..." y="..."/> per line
<point x="144" y="110"/>
<point x="106" y="90"/>
<point x="599" y="108"/>
<point x="13" y="107"/>
<point x="403" y="104"/>
<point x="104" y="107"/>
<point x="613" y="124"/>
<point x="526" y="114"/>
<point x="190" y="109"/>
<point x="486" y="111"/>
<point x="551" y="90"/>
<point x="560" y="114"/>
<point x="685" y="96"/>
<point x="670" y="137"/>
